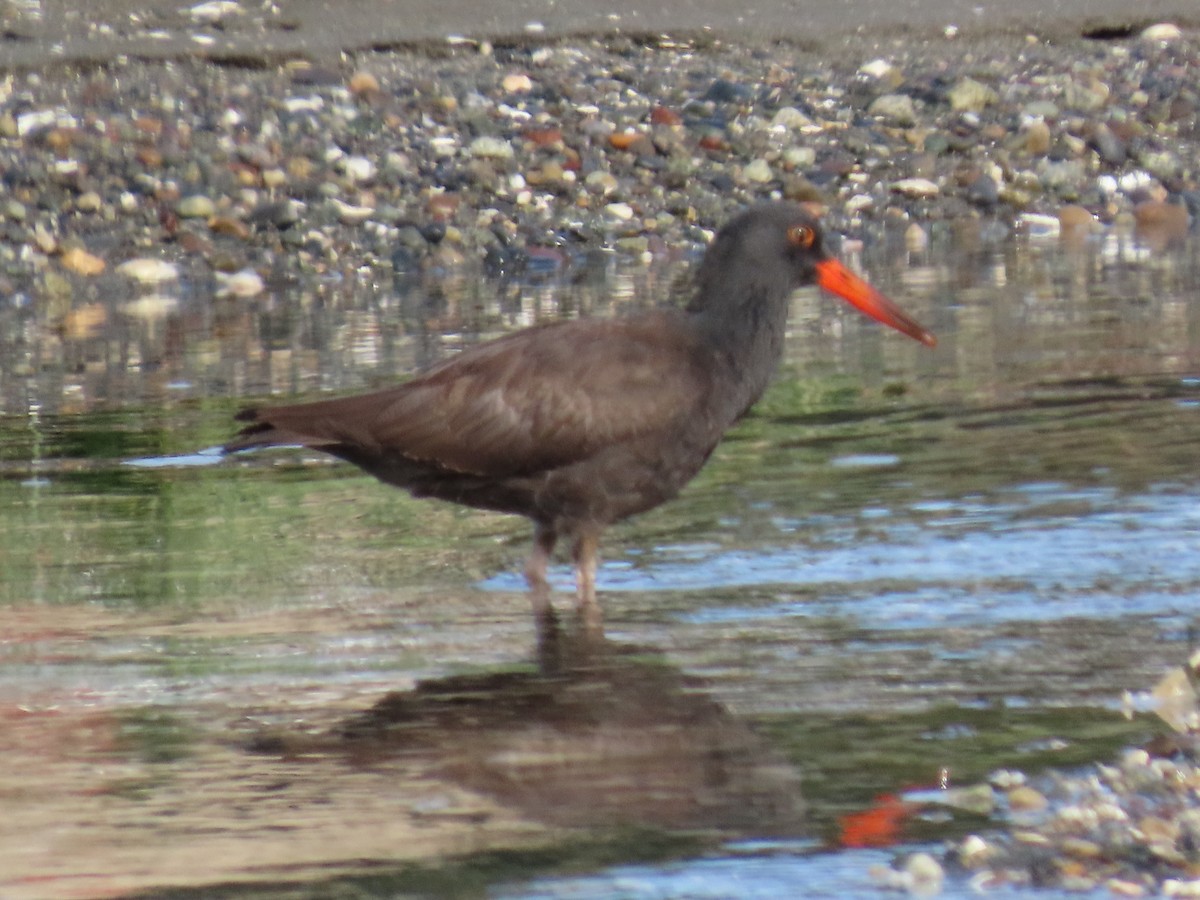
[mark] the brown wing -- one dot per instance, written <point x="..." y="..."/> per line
<point x="534" y="400"/>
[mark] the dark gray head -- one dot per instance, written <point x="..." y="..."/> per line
<point x="762" y="255"/>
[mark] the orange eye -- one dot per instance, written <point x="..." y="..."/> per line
<point x="802" y="236"/>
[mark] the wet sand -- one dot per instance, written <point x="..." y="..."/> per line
<point x="38" y="33"/>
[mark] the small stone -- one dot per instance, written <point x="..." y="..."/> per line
<point x="858" y="203"/>
<point x="758" y="171"/>
<point x="89" y="202"/>
<point x="628" y="140"/>
<point x="1037" y="138"/>
<point x="969" y="95"/>
<point x="621" y="211"/>
<point x="1162" y="31"/>
<point x="1162" y="164"/>
<point x="724" y="91"/>
<point x="15" y="210"/>
<point x="1067" y="174"/>
<point x="1159" y="224"/>
<point x="359" y="169"/>
<point x="274" y="178"/>
<point x="977" y="798"/>
<point x="517" y="83"/>
<point x="487" y="147"/>
<point x="926" y="873"/>
<point x="1041" y="109"/>
<point x="196" y="206"/>
<point x="1175" y="887"/>
<point x="229" y="226"/>
<point x="662" y="115"/>
<point x="44" y="240"/>
<point x="81" y="262"/>
<point x="897" y="107"/>
<point x="1007" y="778"/>
<point x="789" y="118"/>
<point x="550" y="137"/>
<point x="799" y="157"/>
<point x="1085" y="97"/>
<point x="1122" y="888"/>
<point x="974" y="851"/>
<point x="246" y="283"/>
<point x="880" y="70"/>
<point x="1073" y="216"/>
<point x="982" y="191"/>
<point x="1026" y="799"/>
<point x="363" y="83"/>
<point x="349" y="214"/>
<point x="916" y="188"/>
<point x="148" y="271"/>
<point x="1110" y="148"/>
<point x="634" y="245"/>
<point x="29" y="123"/>
<point x="443" y="206"/>
<point x="1039" y="227"/>
<point x="601" y="182"/>
<point x="213" y="11"/>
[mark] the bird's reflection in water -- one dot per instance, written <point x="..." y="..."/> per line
<point x="600" y="734"/>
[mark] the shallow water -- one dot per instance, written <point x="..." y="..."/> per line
<point x="905" y="566"/>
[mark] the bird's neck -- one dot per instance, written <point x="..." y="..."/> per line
<point x="745" y="329"/>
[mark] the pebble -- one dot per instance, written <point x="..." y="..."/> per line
<point x="1038" y="138"/>
<point x="487" y="147"/>
<point x="758" y="171"/>
<point x="622" y="212"/>
<point x="881" y="70"/>
<point x="788" y="118"/>
<point x="350" y="214"/>
<point x="81" y="262"/>
<point x="246" y="283"/>
<point x="213" y="11"/>
<point x="1162" y="31"/>
<point x="1038" y="226"/>
<point x="44" y="240"/>
<point x="517" y="83"/>
<point x="916" y="188"/>
<point x="363" y="84"/>
<point x="359" y="169"/>
<point x="897" y="107"/>
<point x="969" y="95"/>
<point x="89" y="202"/>
<point x="196" y="207"/>
<point x="148" y="271"/>
<point x="1160" y="224"/>
<point x="1075" y="219"/>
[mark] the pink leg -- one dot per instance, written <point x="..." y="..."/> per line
<point x="544" y="540"/>
<point x="587" y="544"/>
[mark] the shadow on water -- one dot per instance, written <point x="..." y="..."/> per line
<point x="904" y="566"/>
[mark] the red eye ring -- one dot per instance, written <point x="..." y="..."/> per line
<point x="803" y="236"/>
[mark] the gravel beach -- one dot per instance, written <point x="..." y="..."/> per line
<point x="525" y="154"/>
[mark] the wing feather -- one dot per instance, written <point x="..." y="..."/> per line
<point x="534" y="400"/>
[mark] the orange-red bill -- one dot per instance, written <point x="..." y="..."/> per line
<point x="837" y="279"/>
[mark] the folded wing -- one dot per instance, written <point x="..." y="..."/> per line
<point x="532" y="401"/>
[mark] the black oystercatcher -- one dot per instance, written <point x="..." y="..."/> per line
<point x="579" y="424"/>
